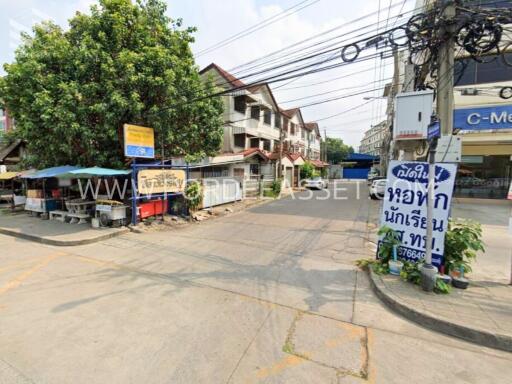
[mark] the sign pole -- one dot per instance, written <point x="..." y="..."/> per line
<point x="428" y="271"/>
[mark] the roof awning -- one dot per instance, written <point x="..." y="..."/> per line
<point x="86" y="173"/>
<point x="50" y="172"/>
<point x="8" y="175"/>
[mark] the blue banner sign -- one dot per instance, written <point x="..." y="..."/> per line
<point x="434" y="130"/>
<point x="475" y="119"/>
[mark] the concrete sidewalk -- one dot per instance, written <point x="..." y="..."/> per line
<point x="482" y="313"/>
<point x="53" y="232"/>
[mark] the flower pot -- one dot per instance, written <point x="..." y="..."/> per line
<point x="446" y="278"/>
<point x="454" y="273"/>
<point x="460" y="282"/>
<point x="395" y="267"/>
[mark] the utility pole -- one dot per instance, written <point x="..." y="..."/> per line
<point x="446" y="65"/>
<point x="444" y="109"/>
<point x="280" y="160"/>
<point x="325" y="145"/>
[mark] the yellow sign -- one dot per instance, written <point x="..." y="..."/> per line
<point x="152" y="181"/>
<point x="139" y="141"/>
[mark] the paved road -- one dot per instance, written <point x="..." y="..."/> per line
<point x="269" y="295"/>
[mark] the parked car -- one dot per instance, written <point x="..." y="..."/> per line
<point x="316" y="183"/>
<point x="373" y="178"/>
<point x="378" y="188"/>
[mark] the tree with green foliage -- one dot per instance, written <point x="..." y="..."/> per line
<point x="72" y="90"/>
<point x="337" y="150"/>
<point x="307" y="170"/>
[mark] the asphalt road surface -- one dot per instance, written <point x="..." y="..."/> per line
<point x="269" y="295"/>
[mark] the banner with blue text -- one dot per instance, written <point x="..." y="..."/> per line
<point x="405" y="207"/>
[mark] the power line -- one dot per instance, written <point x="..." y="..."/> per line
<point x="333" y="91"/>
<point x="257" y="27"/>
<point x="283" y="51"/>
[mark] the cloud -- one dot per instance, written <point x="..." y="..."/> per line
<point x="217" y="21"/>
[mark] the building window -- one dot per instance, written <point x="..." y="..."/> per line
<point x="215" y="172"/>
<point x="255" y="113"/>
<point x="238" y="172"/>
<point x="240" y="141"/>
<point x="285" y="124"/>
<point x="277" y="123"/>
<point x="254" y="169"/>
<point x="267" y="116"/>
<point x="240" y="104"/>
<point x="292" y="129"/>
<point x="470" y="72"/>
<point x="266" y="145"/>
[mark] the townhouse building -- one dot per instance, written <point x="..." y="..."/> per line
<point x="253" y="126"/>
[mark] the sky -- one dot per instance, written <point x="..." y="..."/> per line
<point x="217" y="20"/>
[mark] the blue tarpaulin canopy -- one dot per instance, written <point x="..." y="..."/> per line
<point x="85" y="173"/>
<point x="50" y="172"/>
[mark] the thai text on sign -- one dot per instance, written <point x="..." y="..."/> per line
<point x="152" y="181"/>
<point x="405" y="207"/>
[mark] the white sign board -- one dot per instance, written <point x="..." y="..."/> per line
<point x="449" y="149"/>
<point x="405" y="207"/>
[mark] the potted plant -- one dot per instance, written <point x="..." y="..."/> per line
<point x="194" y="196"/>
<point x="460" y="281"/>
<point x="462" y="241"/>
<point x="388" y="249"/>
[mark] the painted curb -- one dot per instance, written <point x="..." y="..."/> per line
<point x="62" y="243"/>
<point x="430" y="321"/>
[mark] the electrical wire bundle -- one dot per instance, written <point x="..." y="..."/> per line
<point x="479" y="33"/>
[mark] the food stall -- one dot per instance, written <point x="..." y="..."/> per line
<point x="43" y="194"/>
<point x="11" y="189"/>
<point x="102" y="209"/>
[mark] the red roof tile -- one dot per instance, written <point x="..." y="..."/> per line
<point x="226" y="75"/>
<point x="294" y="156"/>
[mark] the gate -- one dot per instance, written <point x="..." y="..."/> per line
<point x="220" y="190"/>
<point x="355" y="173"/>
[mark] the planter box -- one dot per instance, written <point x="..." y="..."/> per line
<point x="152" y="208"/>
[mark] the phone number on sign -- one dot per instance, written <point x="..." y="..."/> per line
<point x="411" y="254"/>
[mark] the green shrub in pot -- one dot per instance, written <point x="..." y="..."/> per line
<point x="462" y="241"/>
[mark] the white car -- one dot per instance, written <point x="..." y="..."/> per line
<point x="377" y="189"/>
<point x="316" y="183"/>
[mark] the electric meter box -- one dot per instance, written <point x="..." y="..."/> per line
<point x="413" y="111"/>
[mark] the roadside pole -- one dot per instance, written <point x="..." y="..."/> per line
<point x="279" y="163"/>
<point x="444" y="107"/>
<point x="325" y="145"/>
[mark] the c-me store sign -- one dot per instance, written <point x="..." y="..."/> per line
<point x="475" y="119"/>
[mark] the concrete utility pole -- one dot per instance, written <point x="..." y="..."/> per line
<point x="280" y="161"/>
<point x="325" y="145"/>
<point x="445" y="112"/>
<point x="446" y="65"/>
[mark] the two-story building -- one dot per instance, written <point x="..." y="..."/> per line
<point x="253" y="125"/>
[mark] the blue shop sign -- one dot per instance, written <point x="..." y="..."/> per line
<point x="476" y="119"/>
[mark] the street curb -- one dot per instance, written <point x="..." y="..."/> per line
<point x="62" y="243"/>
<point x="425" y="319"/>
